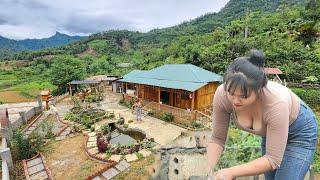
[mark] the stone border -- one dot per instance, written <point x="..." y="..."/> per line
<point x="92" y="156"/>
<point x="64" y="128"/>
<point x="99" y="172"/>
<point x="32" y="122"/>
<point x="101" y="159"/>
<point x="25" y="166"/>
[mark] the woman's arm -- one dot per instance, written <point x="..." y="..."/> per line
<point x="214" y="152"/>
<point x="220" y="124"/>
<point x="255" y="167"/>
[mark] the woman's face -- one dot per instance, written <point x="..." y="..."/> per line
<point x="240" y="101"/>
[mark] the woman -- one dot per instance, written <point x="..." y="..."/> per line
<point x="286" y="124"/>
<point x="138" y="105"/>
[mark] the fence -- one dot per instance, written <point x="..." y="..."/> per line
<point x="182" y="116"/>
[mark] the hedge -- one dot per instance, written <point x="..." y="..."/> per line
<point x="309" y="96"/>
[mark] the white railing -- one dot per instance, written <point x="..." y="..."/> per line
<point x="6" y="159"/>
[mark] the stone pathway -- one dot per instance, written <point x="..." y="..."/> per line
<point x="35" y="168"/>
<point x="60" y="129"/>
<point x="34" y="124"/>
<point x="112" y="172"/>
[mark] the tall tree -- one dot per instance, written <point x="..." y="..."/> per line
<point x="65" y="69"/>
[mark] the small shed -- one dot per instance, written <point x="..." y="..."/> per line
<point x="106" y="80"/>
<point x="275" y="72"/>
<point x="74" y="85"/>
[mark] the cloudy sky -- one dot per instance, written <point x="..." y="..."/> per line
<point x="21" y="19"/>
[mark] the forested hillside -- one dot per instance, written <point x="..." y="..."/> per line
<point x="289" y="36"/>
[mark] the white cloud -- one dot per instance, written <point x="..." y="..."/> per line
<point x="21" y="19"/>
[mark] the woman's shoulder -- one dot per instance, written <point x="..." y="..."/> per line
<point x="275" y="92"/>
<point x="276" y="96"/>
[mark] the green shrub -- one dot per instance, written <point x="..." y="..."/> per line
<point x="309" y="96"/>
<point x="91" y="98"/>
<point x="151" y="113"/>
<point x="316" y="162"/>
<point x="105" y="129"/>
<point x="168" y="117"/>
<point x="316" y="159"/>
<point x="70" y="117"/>
<point x="47" y="128"/>
<point x="241" y="147"/>
<point x="111" y="115"/>
<point x="125" y="103"/>
<point x="125" y="125"/>
<point x="147" y="144"/>
<point x="22" y="147"/>
<point x="139" y="155"/>
<point x="108" y="153"/>
<point x="196" y="125"/>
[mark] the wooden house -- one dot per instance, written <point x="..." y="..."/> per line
<point x="180" y="86"/>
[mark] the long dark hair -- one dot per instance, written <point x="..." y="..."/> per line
<point x="246" y="73"/>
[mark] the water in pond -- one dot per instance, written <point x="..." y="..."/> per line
<point x="123" y="139"/>
<point x="128" y="137"/>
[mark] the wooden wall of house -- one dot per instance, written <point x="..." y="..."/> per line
<point x="204" y="95"/>
<point x="149" y="93"/>
<point x="183" y="100"/>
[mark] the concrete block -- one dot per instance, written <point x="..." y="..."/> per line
<point x="110" y="173"/>
<point x="35" y="169"/>
<point x="34" y="162"/>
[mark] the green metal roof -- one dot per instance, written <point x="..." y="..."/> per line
<point x="175" y="76"/>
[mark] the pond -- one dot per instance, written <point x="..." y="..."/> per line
<point x="125" y="137"/>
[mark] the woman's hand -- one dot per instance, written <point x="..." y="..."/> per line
<point x="223" y="174"/>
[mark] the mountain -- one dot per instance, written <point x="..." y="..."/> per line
<point x="10" y="46"/>
<point x="117" y="42"/>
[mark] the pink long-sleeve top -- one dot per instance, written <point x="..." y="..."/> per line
<point x="280" y="108"/>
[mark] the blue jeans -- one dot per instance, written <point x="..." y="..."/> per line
<point x="300" y="149"/>
<point x="139" y="113"/>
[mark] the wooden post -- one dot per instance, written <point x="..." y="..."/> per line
<point x="126" y="87"/>
<point x="171" y="97"/>
<point x="192" y="101"/>
<point x="142" y="91"/>
<point x="122" y="88"/>
<point x="70" y="90"/>
<point x="137" y="89"/>
<point x="159" y="98"/>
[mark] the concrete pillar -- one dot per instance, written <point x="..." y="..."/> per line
<point x="23" y="117"/>
<point x="5" y="171"/>
<point x="4" y="132"/>
<point x="6" y="156"/>
<point x="39" y="101"/>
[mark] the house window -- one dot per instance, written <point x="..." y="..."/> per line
<point x="185" y="95"/>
